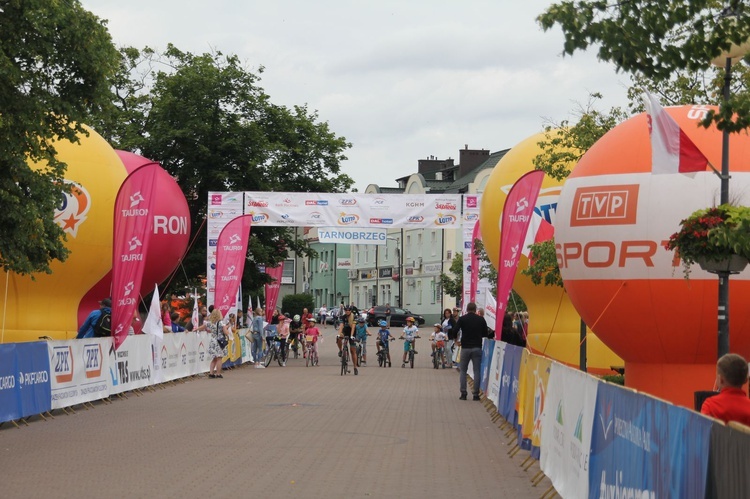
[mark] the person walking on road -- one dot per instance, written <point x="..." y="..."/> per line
<point x="471" y="328"/>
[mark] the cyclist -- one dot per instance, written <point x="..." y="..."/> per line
<point x="282" y="333"/>
<point x="344" y="320"/>
<point x="346" y="332"/>
<point x="295" y="329"/>
<point x="312" y="333"/>
<point x="361" y="333"/>
<point x="411" y="333"/>
<point x="384" y="335"/>
<point x="437" y="340"/>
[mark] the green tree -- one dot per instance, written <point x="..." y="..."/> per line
<point x="209" y="123"/>
<point x="654" y="40"/>
<point x="453" y="283"/>
<point x="55" y="63"/>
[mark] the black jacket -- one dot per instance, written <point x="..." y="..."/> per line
<point x="473" y="328"/>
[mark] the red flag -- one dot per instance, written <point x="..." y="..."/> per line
<point x="672" y="151"/>
<point x="514" y="223"/>
<point x="231" y="254"/>
<point x="474" y="280"/>
<point x="133" y="228"/>
<point x="272" y="289"/>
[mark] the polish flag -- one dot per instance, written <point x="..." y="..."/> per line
<point x="671" y="150"/>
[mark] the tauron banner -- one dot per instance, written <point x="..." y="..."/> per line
<point x="514" y="222"/>
<point x="272" y="289"/>
<point x="133" y="228"/>
<point x="231" y="254"/>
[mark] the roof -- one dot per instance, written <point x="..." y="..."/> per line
<point x="462" y="183"/>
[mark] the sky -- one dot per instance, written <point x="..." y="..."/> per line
<point x="401" y="80"/>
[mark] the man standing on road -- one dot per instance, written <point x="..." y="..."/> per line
<point x="471" y="329"/>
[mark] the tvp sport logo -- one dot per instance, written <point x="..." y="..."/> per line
<point x="73" y="208"/>
<point x="605" y="205"/>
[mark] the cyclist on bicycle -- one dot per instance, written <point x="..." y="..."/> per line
<point x="361" y="333"/>
<point x="411" y="333"/>
<point x="346" y="320"/>
<point x="437" y="340"/>
<point x="384" y="335"/>
<point x="295" y="328"/>
<point x="311" y="335"/>
<point x="346" y="332"/>
<point x="282" y="333"/>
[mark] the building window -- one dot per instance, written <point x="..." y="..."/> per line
<point x="355" y="248"/>
<point x="287" y="274"/>
<point x="449" y="255"/>
<point x="408" y="246"/>
<point x="433" y="291"/>
<point x="419" y="291"/>
<point x="433" y="243"/>
<point x="419" y="242"/>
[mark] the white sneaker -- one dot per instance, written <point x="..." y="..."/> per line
<point x="260" y="366"/>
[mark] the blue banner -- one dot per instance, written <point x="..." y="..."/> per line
<point x="24" y="380"/>
<point x="509" y="383"/>
<point x="685" y="458"/>
<point x="488" y="348"/>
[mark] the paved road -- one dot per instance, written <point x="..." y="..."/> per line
<point x="276" y="432"/>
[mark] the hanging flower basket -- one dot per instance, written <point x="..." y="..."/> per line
<point x="717" y="239"/>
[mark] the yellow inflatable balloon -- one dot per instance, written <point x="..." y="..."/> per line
<point x="554" y="324"/>
<point x="48" y="305"/>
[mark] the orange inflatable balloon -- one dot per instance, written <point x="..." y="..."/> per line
<point x="613" y="217"/>
<point x="554" y="324"/>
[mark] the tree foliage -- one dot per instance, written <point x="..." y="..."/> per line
<point x="55" y="60"/>
<point x="453" y="283"/>
<point x="654" y="40"/>
<point x="207" y="121"/>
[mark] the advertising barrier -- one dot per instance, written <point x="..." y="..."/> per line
<point x="79" y="370"/>
<point x="727" y="468"/>
<point x="532" y="397"/>
<point x="130" y="367"/>
<point x="509" y="383"/>
<point x="488" y="349"/>
<point x="24" y="380"/>
<point x="496" y="369"/>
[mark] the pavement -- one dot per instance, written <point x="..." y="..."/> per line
<point x="291" y="431"/>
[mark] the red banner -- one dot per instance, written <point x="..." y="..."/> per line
<point x="514" y="222"/>
<point x="474" y="280"/>
<point x="231" y="255"/>
<point x="272" y="289"/>
<point x="133" y="221"/>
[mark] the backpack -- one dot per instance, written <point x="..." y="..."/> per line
<point x="103" y="325"/>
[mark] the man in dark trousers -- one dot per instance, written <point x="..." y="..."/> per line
<point x="471" y="329"/>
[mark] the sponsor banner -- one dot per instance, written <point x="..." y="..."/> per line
<point x="487" y="301"/>
<point x="532" y="396"/>
<point x="130" y="366"/>
<point x="79" y="370"/>
<point x="684" y="460"/>
<point x="234" y="352"/>
<point x="567" y="422"/>
<point x="625" y="445"/>
<point x="474" y="275"/>
<point x="346" y="235"/>
<point x="524" y="380"/>
<point x="198" y="343"/>
<point x="231" y="255"/>
<point x="272" y="289"/>
<point x="25" y="387"/>
<point x="727" y="468"/>
<point x="354" y="210"/>
<point x="488" y="348"/>
<point x="509" y="383"/>
<point x="514" y="223"/>
<point x="342" y="263"/>
<point x="496" y="369"/>
<point x="133" y="223"/>
<point x="173" y="356"/>
<point x="225" y="200"/>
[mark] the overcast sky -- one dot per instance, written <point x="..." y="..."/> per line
<point x="401" y="80"/>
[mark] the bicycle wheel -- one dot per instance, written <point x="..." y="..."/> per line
<point x="316" y="358"/>
<point x="411" y="359"/>
<point x="280" y="358"/>
<point x="308" y="360"/>
<point x="435" y="361"/>
<point x="269" y="357"/>
<point x="344" y="359"/>
<point x="381" y="359"/>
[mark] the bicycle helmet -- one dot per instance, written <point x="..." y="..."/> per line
<point x="296" y="318"/>
<point x="286" y="314"/>
<point x="382" y="323"/>
<point x="360" y="319"/>
<point x="410" y="319"/>
<point x="311" y="321"/>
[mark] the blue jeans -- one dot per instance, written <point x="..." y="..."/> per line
<point x="256" y="347"/>
<point x="475" y="356"/>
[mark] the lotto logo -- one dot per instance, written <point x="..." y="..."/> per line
<point x="605" y="205"/>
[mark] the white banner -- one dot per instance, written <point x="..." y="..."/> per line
<point x="346" y="235"/>
<point x="130" y="367"/>
<point x="496" y="372"/>
<point x="79" y="370"/>
<point x="489" y="304"/>
<point x="567" y="423"/>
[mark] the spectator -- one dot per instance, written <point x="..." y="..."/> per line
<point x="257" y="339"/>
<point x="87" y="328"/>
<point x="306" y="316"/>
<point x="216" y="352"/>
<point x="471" y="328"/>
<point x="322" y="313"/>
<point x="175" y="328"/>
<point x="166" y="317"/>
<point x="449" y="328"/>
<point x="388" y="314"/>
<point x="731" y="404"/>
<point x="490" y="331"/>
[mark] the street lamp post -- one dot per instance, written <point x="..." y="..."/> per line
<point x="399" y="264"/>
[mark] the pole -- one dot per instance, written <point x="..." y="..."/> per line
<point x="377" y="279"/>
<point x="582" y="348"/>
<point x="723" y="308"/>
<point x="401" y="272"/>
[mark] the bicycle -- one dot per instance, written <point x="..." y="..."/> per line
<point x="410" y="353"/>
<point x="344" y="355"/>
<point x="312" y="355"/>
<point x="439" y="357"/>
<point x="274" y="352"/>
<point x="383" y="354"/>
<point x="293" y="346"/>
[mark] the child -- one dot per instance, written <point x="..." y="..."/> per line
<point x="384" y="335"/>
<point x="411" y="333"/>
<point x="311" y="335"/>
<point x="437" y="340"/>
<point x="361" y="333"/>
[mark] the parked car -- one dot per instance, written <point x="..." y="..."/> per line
<point x="330" y="315"/>
<point x="398" y="316"/>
